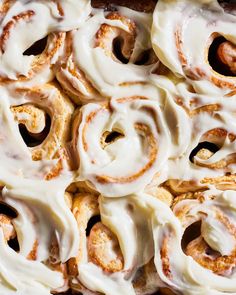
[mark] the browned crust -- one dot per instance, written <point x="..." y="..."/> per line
<point x="165" y="258"/>
<point x="141" y="5"/>
<point x="197" y="73"/>
<point x="197" y="248"/>
<point x="98" y="239"/>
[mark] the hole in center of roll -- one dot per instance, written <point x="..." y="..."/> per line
<point x="92" y="221"/>
<point x="14" y="244"/>
<point x="203" y="149"/>
<point x="118" y="43"/>
<point x="110" y="137"/>
<point x="113" y="136"/>
<point x="191" y="233"/>
<point x="7" y="210"/>
<point x="35" y="139"/>
<point x="144" y="58"/>
<point x="222" y="56"/>
<point x="37" y="48"/>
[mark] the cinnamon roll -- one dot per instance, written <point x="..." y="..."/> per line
<point x="114" y="40"/>
<point x="196" y="40"/>
<point x="21" y="251"/>
<point x="40" y="238"/>
<point x="207" y="154"/>
<point x="126" y="149"/>
<point x="197" y="247"/>
<point x="113" y="259"/>
<point x="42" y="119"/>
<point x="99" y="246"/>
<point x="35" y="54"/>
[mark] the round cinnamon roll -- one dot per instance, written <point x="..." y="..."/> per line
<point x="35" y="53"/>
<point x="120" y="145"/>
<point x="115" y="259"/>
<point x="195" y="246"/>
<point x="98" y="245"/>
<point x="21" y="250"/>
<point x="46" y="233"/>
<point x="110" y="52"/>
<point x="208" y="153"/>
<point x="211" y="162"/>
<point x="43" y="115"/>
<point x="197" y="40"/>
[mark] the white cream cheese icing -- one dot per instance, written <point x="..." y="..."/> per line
<point x="189" y="277"/>
<point x="42" y="18"/>
<point x="154" y="117"/>
<point x="143" y="145"/>
<point x="96" y="63"/>
<point x="182" y="32"/>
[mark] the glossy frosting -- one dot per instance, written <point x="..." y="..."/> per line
<point x="145" y="141"/>
<point x="182" y="32"/>
<point x="129" y="162"/>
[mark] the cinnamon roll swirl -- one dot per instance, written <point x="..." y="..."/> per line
<point x="114" y="40"/>
<point x="126" y="149"/>
<point x="114" y="259"/>
<point x="196" y="40"/>
<point x="22" y="249"/>
<point x="41" y="236"/>
<point x="196" y="253"/>
<point x="35" y="54"/>
<point x="43" y="115"/>
<point x="207" y="154"/>
<point x="98" y="244"/>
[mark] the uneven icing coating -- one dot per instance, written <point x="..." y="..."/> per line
<point x="182" y="33"/>
<point x="182" y="272"/>
<point x="86" y="73"/>
<point x="117" y="148"/>
<point x="127" y="163"/>
<point x="42" y="18"/>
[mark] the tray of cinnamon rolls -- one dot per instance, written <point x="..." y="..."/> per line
<point x="117" y="147"/>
